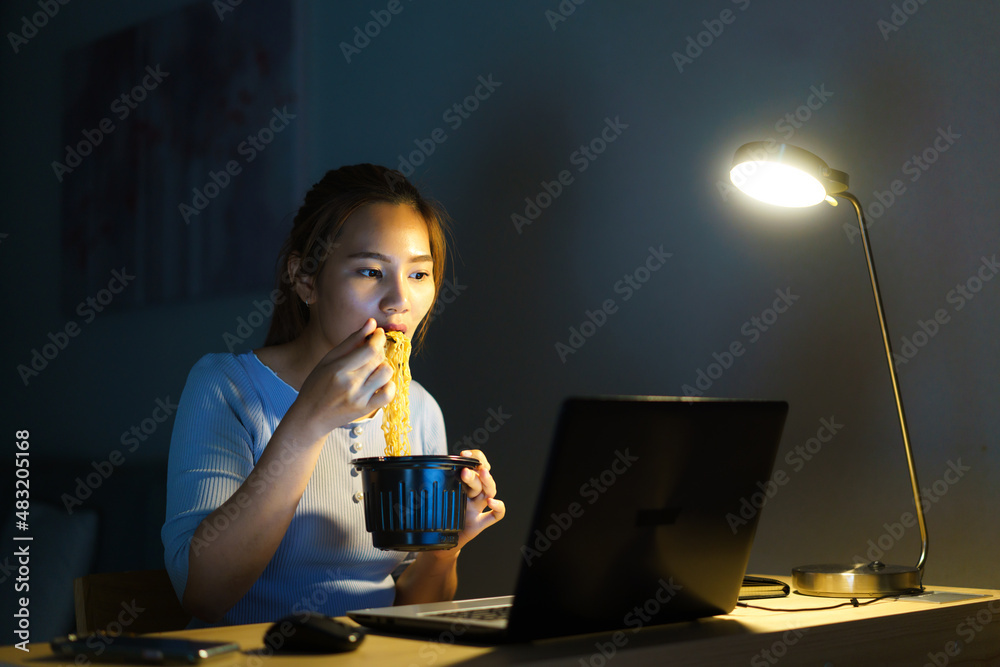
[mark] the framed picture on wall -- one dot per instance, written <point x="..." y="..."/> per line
<point x="180" y="157"/>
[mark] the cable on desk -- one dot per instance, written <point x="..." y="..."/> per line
<point x="853" y="601"/>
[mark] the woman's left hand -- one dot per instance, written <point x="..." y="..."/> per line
<point x="483" y="509"/>
<point x="433" y="576"/>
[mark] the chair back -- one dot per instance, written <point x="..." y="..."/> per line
<point x="137" y="601"/>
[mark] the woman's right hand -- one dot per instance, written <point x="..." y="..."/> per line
<point x="351" y="381"/>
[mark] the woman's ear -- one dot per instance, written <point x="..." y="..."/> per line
<point x="301" y="283"/>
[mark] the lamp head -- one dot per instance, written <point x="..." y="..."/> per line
<point x="784" y="175"/>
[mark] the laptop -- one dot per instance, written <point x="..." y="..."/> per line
<point x="640" y="520"/>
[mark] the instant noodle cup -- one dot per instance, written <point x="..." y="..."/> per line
<point x="414" y="503"/>
<point x="411" y="503"/>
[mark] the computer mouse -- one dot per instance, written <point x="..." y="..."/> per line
<point x="312" y="632"/>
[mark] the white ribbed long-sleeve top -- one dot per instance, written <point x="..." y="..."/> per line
<point x="228" y="410"/>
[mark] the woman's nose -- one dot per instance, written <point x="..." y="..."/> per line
<point x="396" y="297"/>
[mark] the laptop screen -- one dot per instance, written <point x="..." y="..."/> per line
<point x="633" y="524"/>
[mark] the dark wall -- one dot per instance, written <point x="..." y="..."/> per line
<point x="847" y="85"/>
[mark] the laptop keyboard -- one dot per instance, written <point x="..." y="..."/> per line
<point x="481" y="614"/>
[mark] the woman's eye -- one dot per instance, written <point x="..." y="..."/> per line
<point x="420" y="275"/>
<point x="371" y="273"/>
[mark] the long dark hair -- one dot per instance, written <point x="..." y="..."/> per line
<point x="328" y="205"/>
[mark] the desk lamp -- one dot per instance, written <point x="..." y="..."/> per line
<point x="786" y="175"/>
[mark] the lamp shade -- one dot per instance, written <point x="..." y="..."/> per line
<point x="784" y="175"/>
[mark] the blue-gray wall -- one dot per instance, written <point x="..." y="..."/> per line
<point x="879" y="96"/>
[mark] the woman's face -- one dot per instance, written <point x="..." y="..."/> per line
<point x="380" y="267"/>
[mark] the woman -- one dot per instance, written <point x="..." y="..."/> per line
<point x="264" y="514"/>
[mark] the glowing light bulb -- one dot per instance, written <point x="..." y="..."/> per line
<point x="776" y="183"/>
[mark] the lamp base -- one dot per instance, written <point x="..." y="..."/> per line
<point x="870" y="580"/>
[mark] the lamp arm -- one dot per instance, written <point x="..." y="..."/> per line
<point x="892" y="373"/>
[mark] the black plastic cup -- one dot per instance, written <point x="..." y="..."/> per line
<point x="414" y="503"/>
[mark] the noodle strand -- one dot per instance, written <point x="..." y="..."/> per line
<point x="396" y="415"/>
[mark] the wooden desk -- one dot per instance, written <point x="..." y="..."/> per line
<point x="887" y="632"/>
